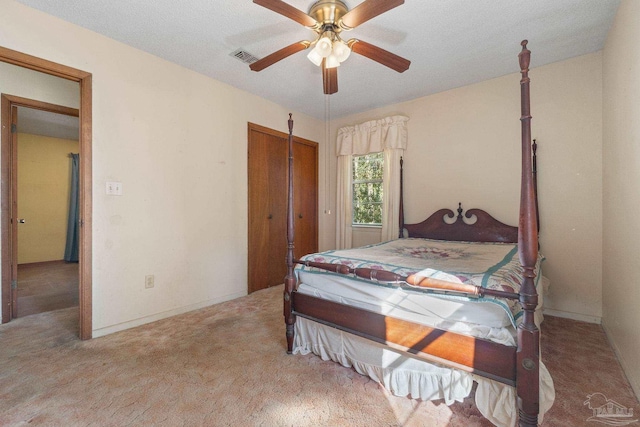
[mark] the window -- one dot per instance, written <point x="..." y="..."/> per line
<point x="367" y="189"/>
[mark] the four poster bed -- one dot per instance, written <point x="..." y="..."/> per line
<point x="429" y="313"/>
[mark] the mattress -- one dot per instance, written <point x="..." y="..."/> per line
<point x="400" y="303"/>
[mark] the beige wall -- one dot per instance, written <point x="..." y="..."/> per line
<point x="363" y="236"/>
<point x="177" y="141"/>
<point x="30" y="84"/>
<point x="621" y="160"/>
<point x="464" y="146"/>
<point x="44" y="182"/>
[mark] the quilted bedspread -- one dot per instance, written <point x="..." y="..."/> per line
<point x="488" y="265"/>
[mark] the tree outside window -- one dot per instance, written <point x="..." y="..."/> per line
<point x="367" y="189"/>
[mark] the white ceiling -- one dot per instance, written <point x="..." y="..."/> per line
<point x="44" y="123"/>
<point x="450" y="43"/>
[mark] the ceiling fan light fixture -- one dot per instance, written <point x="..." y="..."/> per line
<point x="341" y="50"/>
<point x="324" y="46"/>
<point x="332" y="61"/>
<point x="315" y="57"/>
<point x="327" y="19"/>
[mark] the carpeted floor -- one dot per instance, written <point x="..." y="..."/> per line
<point x="226" y="366"/>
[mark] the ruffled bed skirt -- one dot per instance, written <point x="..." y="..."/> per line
<point x="404" y="375"/>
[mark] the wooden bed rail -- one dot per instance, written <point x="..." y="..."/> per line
<point x="481" y="357"/>
<point x="413" y="280"/>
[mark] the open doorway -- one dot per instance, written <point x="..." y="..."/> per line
<point x="8" y="220"/>
<point x="46" y="159"/>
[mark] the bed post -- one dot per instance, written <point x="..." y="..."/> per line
<point x="401" y="214"/>
<point x="527" y="379"/>
<point x="535" y="182"/>
<point x="290" y="278"/>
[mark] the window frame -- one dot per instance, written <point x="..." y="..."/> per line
<point x="379" y="181"/>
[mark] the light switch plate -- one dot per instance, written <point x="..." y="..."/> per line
<point x="114" y="188"/>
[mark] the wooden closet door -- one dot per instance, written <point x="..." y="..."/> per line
<point x="305" y="198"/>
<point x="267" y="210"/>
<point x="267" y="181"/>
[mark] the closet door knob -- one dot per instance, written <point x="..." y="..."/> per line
<point x="270" y="216"/>
<point x="21" y="221"/>
<point x="300" y="216"/>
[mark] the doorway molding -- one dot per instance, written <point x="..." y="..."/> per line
<point x="85" y="120"/>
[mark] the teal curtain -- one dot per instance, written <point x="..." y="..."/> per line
<point x="73" y="226"/>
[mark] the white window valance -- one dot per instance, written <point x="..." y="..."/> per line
<point x="373" y="136"/>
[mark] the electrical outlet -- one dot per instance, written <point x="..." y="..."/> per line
<point x="148" y="281"/>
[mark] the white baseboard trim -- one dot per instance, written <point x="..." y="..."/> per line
<point x="625" y="366"/>
<point x="100" y="332"/>
<point x="573" y="316"/>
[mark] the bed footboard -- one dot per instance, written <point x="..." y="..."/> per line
<point x="482" y="357"/>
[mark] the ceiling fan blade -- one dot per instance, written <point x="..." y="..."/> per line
<point x="287" y="10"/>
<point x="279" y="55"/>
<point x="380" y="55"/>
<point x="329" y="79"/>
<point x="367" y="10"/>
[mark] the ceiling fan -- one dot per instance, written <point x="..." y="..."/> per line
<point x="328" y="18"/>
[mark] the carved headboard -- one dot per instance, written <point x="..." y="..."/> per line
<point x="485" y="228"/>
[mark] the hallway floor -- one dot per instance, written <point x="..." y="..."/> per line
<point x="47" y="286"/>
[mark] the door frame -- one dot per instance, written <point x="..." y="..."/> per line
<point x="85" y="194"/>
<point x="10" y="103"/>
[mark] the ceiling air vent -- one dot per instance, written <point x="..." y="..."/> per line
<point x="244" y="56"/>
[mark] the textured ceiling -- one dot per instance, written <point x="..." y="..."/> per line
<point x="44" y="123"/>
<point x="450" y="43"/>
